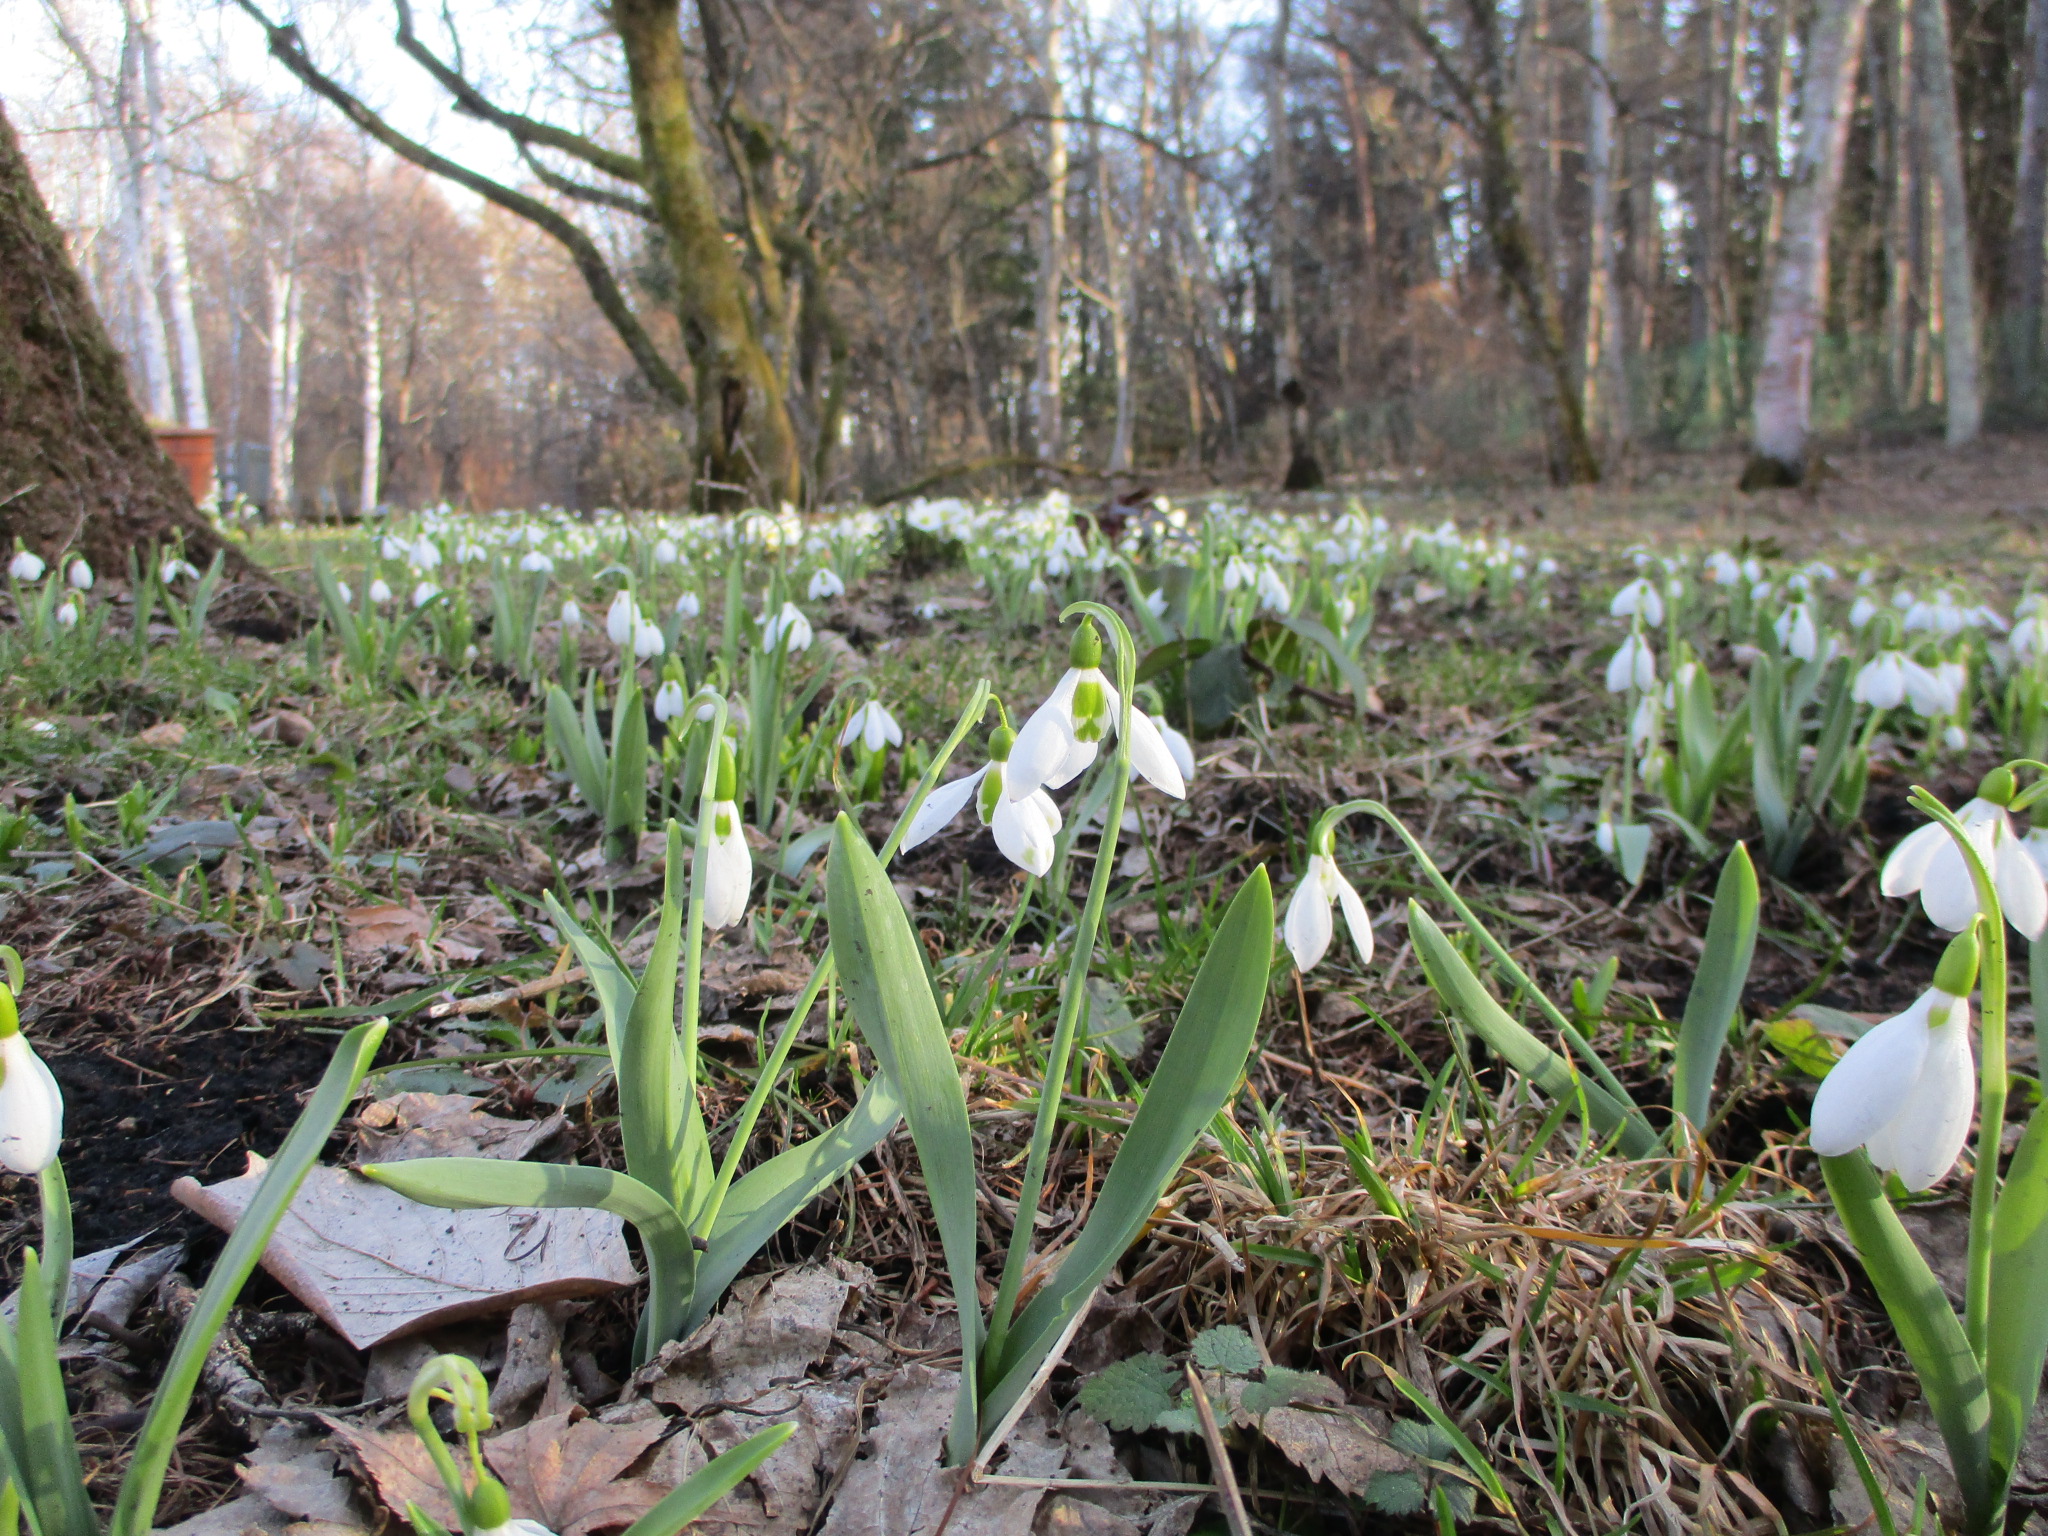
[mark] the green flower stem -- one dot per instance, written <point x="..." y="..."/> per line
<point x="57" y="1244"/>
<point x="693" y="923"/>
<point x="1054" y="1092"/>
<point x="970" y="717"/>
<point x="1991" y="1076"/>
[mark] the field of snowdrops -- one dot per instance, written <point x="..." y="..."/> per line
<point x="1022" y="1018"/>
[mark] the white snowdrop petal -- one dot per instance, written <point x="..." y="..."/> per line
<point x="1869" y="1085"/>
<point x="1022" y="833"/>
<point x="1307" y="927"/>
<point x="1356" y="918"/>
<point x="940" y="807"/>
<point x="1948" y="895"/>
<point x="1177" y="744"/>
<point x="1906" y="866"/>
<point x="1923" y="1140"/>
<point x="31" y="1109"/>
<point x="2020" y="888"/>
<point x="1151" y="756"/>
<point x="728" y="871"/>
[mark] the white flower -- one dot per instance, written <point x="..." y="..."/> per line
<point x="1861" y="612"/>
<point x="648" y="640"/>
<point x="1061" y="737"/>
<point x="425" y="555"/>
<point x="1795" y="632"/>
<point x="1937" y="691"/>
<point x="535" y="562"/>
<point x="1603" y="837"/>
<point x="688" y="606"/>
<point x="2030" y="637"/>
<point x="665" y="552"/>
<point x="668" y="700"/>
<point x="348" y="593"/>
<point x="80" y="576"/>
<point x="572" y="615"/>
<point x="873" y="727"/>
<point x="67" y="613"/>
<point x="1881" y="682"/>
<point x="728" y="868"/>
<point x="1024" y="826"/>
<point x="1904" y="1092"/>
<point x="1238" y="572"/>
<point x="621" y="619"/>
<point x="1928" y="861"/>
<point x="1722" y="569"/>
<point x="516" y="1528"/>
<point x="31" y="1104"/>
<point x="789" y="628"/>
<point x="1178" y="746"/>
<point x="1642" y="725"/>
<point x="1155" y="602"/>
<point x="825" y="583"/>
<point x="1638" y="597"/>
<point x="1273" y="594"/>
<point x="1308" y="926"/>
<point x="380" y="590"/>
<point x="174" y="569"/>
<point x="424" y="594"/>
<point x="26" y="566"/>
<point x="1633" y="665"/>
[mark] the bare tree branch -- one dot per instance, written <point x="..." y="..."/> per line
<point x="582" y="191"/>
<point x="289" y="50"/>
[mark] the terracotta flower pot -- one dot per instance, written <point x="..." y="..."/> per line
<point x="191" y="449"/>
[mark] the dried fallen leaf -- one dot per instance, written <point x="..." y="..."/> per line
<point x="772" y="1330"/>
<point x="398" y="1468"/>
<point x="374" y="1265"/>
<point x="166" y="733"/>
<point x="386" y="925"/>
<point x="410" y="1125"/>
<point x="570" y="1474"/>
<point x="285" y="726"/>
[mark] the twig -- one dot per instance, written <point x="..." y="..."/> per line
<point x="540" y="987"/>
<point x="1219" y="1459"/>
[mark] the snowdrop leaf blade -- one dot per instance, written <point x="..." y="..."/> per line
<point x="883" y="968"/>
<point x="135" y="1511"/>
<point x="649" y="1056"/>
<point x="627" y="806"/>
<point x="1197" y="1073"/>
<point x="1467" y="998"/>
<point x="47" y="1455"/>
<point x="1926" y="1324"/>
<point x="1716" y="987"/>
<point x="2017" y="1320"/>
<point x="565" y="734"/>
<point x="1353" y="675"/>
<point x="710" y="1483"/>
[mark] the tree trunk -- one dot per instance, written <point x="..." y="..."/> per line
<point x="1304" y="472"/>
<point x="370" y="341"/>
<point x="1783" y="413"/>
<point x="190" y="376"/>
<point x="1901" y="187"/>
<point x="1606" y="398"/>
<point x="282" y="290"/>
<point x="1048" y="380"/>
<point x="79" y="469"/>
<point x="2025" y="263"/>
<point x="1963" y="395"/>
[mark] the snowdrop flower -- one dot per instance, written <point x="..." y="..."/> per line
<point x="1722" y="569"/>
<point x="1936" y="691"/>
<point x="1955" y="738"/>
<point x="728" y="866"/>
<point x="26" y="566"/>
<point x="2030" y="637"/>
<point x="424" y="594"/>
<point x="621" y="619"/>
<point x="1643" y="724"/>
<point x="825" y="583"/>
<point x="348" y="593"/>
<point x="1861" y="612"/>
<point x="1639" y="597"/>
<point x="80" y="576"/>
<point x="929" y="610"/>
<point x="1273" y="594"/>
<point x="1309" y="926"/>
<point x="648" y="640"/>
<point x="1795" y="632"/>
<point x="572" y="615"/>
<point x="31" y="1104"/>
<point x="1061" y="737"/>
<point x="668" y="700"/>
<point x="1238" y="572"/>
<point x="1178" y="746"/>
<point x="787" y="628"/>
<point x="1928" y="861"/>
<point x="688" y="605"/>
<point x="425" y="555"/>
<point x="1155" y="602"/>
<point x="1905" y="1091"/>
<point x="1633" y="665"/>
<point x="1603" y="837"/>
<point x="873" y="727"/>
<point x="665" y="552"/>
<point x="1024" y="824"/>
<point x="1881" y="682"/>
<point x="536" y="563"/>
<point x="174" y="569"/>
<point x="380" y="590"/>
<point x="67" y="614"/>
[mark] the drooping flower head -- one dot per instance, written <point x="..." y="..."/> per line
<point x="1639" y="597"/>
<point x="26" y="566"/>
<point x="1905" y="1091"/>
<point x="873" y="727"/>
<point x="1633" y="665"/>
<point x="1063" y="734"/>
<point x="1024" y="825"/>
<point x="1308" y="926"/>
<point x="1929" y="862"/>
<point x="825" y="583"/>
<point x="728" y="866"/>
<point x="80" y="576"/>
<point x="31" y="1104"/>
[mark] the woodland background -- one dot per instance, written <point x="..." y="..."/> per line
<point x="1353" y="240"/>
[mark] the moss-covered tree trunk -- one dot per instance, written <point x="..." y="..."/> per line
<point x="79" y="469"/>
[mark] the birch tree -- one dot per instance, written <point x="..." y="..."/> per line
<point x="2024" y="263"/>
<point x="1962" y="395"/>
<point x="1048" y="380"/>
<point x="1605" y="383"/>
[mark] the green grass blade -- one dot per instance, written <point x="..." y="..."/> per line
<point x="710" y="1483"/>
<point x="477" y="1183"/>
<point x="135" y="1510"/>
<point x="1196" y="1076"/>
<point x="883" y="969"/>
<point x="47" y="1453"/>
<point x="1466" y="996"/>
<point x="1927" y="1326"/>
<point x="1468" y="1453"/>
<point x="338" y="613"/>
<point x="1716" y="988"/>
<point x="762" y="1201"/>
<point x="2016" y="1344"/>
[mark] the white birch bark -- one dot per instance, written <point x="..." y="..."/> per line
<point x="1963" y="393"/>
<point x="1605" y="391"/>
<point x="1783" y="413"/>
<point x="189" y="378"/>
<point x="1048" y="379"/>
<point x="282" y="292"/>
<point x="371" y="343"/>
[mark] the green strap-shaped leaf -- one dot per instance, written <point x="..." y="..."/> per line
<point x="565" y="732"/>
<point x="1197" y="1073"/>
<point x="2016" y="1342"/>
<point x="478" y="1183"/>
<point x="1928" y="1330"/>
<point x="337" y="609"/>
<point x="652" y="1078"/>
<point x="1466" y="996"/>
<point x="626" y="809"/>
<point x="1716" y="987"/>
<point x="46" y="1453"/>
<point x="710" y="1483"/>
<point x="1348" y="669"/>
<point x="135" y="1510"/>
<point x="611" y="981"/>
<point x="761" y="1202"/>
<point x="885" y="979"/>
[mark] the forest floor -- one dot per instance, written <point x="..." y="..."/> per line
<point x="387" y="854"/>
